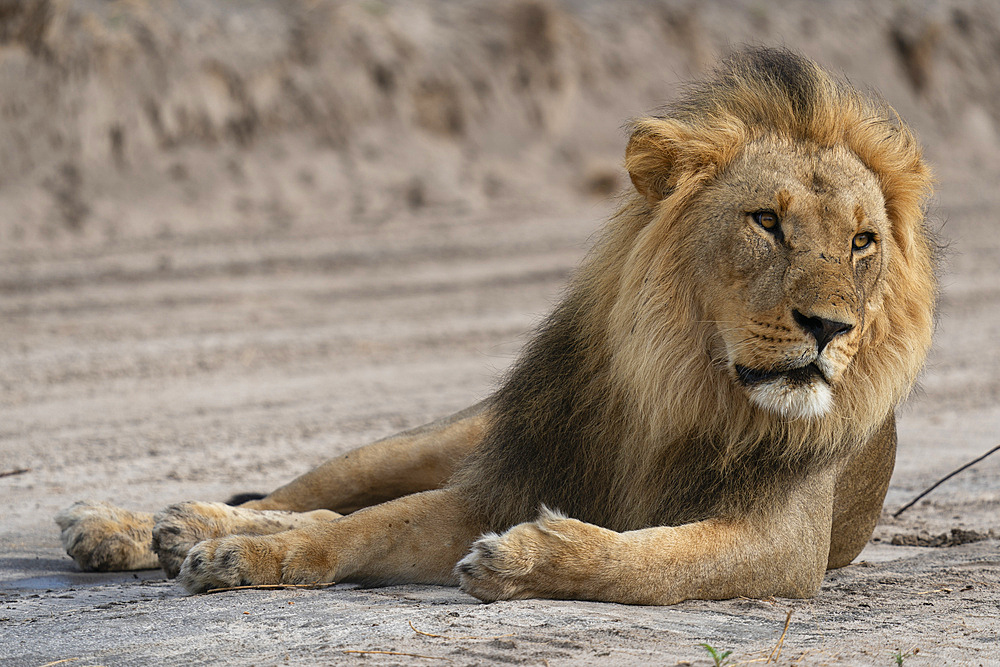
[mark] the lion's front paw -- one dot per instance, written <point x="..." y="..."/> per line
<point x="489" y="571"/>
<point x="543" y="558"/>
<point x="179" y="527"/>
<point x="238" y="560"/>
<point x="104" y="538"/>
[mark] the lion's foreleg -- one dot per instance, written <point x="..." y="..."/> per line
<point x="416" y="539"/>
<point x="179" y="527"/>
<point x="860" y="492"/>
<point x="782" y="552"/>
<point x="418" y="460"/>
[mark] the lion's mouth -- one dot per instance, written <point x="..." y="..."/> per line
<point x="802" y="375"/>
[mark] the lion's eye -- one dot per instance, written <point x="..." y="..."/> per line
<point x="862" y="241"/>
<point x="770" y="222"/>
<point x="766" y="219"/>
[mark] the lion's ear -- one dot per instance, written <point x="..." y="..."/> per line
<point x="665" y="154"/>
<point x="651" y="156"/>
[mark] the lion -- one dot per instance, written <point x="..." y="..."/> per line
<point x="707" y="414"/>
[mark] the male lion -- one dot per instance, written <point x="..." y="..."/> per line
<point x="712" y="402"/>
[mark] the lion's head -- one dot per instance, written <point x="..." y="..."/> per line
<point x="777" y="269"/>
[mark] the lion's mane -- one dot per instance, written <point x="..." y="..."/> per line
<point x="616" y="413"/>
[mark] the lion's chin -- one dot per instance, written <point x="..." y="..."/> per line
<point x="794" y="400"/>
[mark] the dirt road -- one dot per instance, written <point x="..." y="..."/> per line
<point x="178" y="356"/>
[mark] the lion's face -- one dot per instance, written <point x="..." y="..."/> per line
<point x="794" y="241"/>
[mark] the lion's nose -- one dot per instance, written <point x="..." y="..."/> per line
<point x="823" y="330"/>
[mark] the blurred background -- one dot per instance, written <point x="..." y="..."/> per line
<point x="128" y="120"/>
<point x="237" y="238"/>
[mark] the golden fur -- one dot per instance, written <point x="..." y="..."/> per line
<point x="712" y="402"/>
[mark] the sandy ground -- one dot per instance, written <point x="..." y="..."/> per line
<point x="150" y="356"/>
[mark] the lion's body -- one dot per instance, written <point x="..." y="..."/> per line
<point x="712" y="403"/>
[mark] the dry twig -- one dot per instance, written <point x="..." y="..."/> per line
<point x="21" y="471"/>
<point x="271" y="587"/>
<point x="776" y="651"/>
<point x="943" y="480"/>
<point x="409" y="655"/>
<point x="427" y="634"/>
